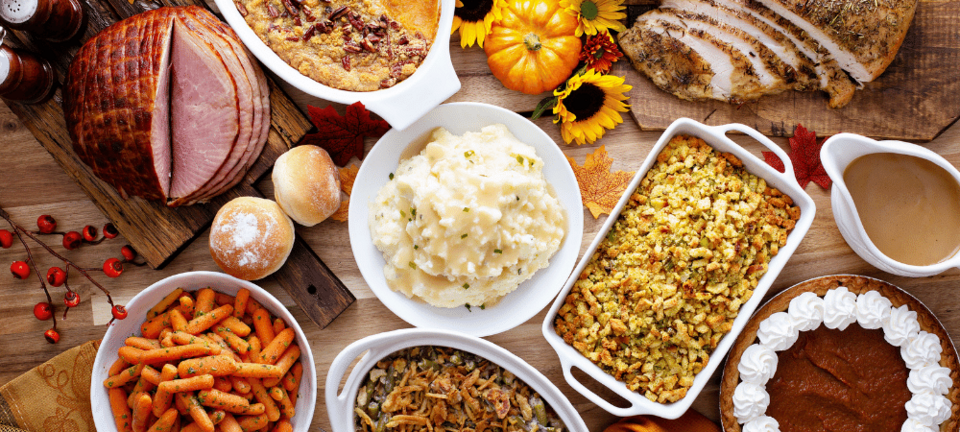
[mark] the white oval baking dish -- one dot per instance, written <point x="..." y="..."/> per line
<point x="340" y="406"/>
<point x="836" y="154"/>
<point x="433" y="82"/>
<point x="716" y="137"/>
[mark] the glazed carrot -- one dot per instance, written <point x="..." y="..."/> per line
<point x="276" y="393"/>
<point x="240" y="385"/>
<point x="121" y="412"/>
<point x="197" y="413"/>
<point x="164" y="304"/>
<point x="165" y="422"/>
<point x="151" y="328"/>
<point x="187" y="305"/>
<point x="208" y="319"/>
<point x="206" y="301"/>
<point x="236" y="342"/>
<point x="164" y="332"/>
<point x="254" y="409"/>
<point x="181" y="404"/>
<point x="285" y="404"/>
<point x="177" y="320"/>
<point x="254" y="370"/>
<point x="278" y="325"/>
<point x="236" y="326"/>
<point x="192" y="427"/>
<point x="176" y="424"/>
<point x="262" y="325"/>
<point x="241" y="302"/>
<point x="141" y="412"/>
<point x="130" y="354"/>
<point x="174" y="353"/>
<point x="151" y="375"/>
<point x="118" y="365"/>
<point x="252" y="306"/>
<point x="163" y="397"/>
<point x="252" y="423"/>
<point x="226" y="401"/>
<point x="222" y="383"/>
<point x="260" y="392"/>
<point x="276" y="347"/>
<point x="283" y="426"/>
<point x="143" y="386"/>
<point x="184" y="338"/>
<point x="142" y="343"/>
<point x="291" y="381"/>
<point x="217" y="366"/>
<point x="222" y="299"/>
<point x="166" y="389"/>
<point x="247" y="319"/>
<point x="289" y="357"/>
<point x="229" y="424"/>
<point x="293" y="398"/>
<point x="128" y="375"/>
<point x="255" y="347"/>
<point x="167" y="340"/>
<point x="217" y="416"/>
<point x="224" y="346"/>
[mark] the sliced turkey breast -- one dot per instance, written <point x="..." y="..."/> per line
<point x="862" y="35"/>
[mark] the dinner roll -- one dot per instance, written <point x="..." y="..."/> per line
<point x="307" y="184"/>
<point x="251" y="238"/>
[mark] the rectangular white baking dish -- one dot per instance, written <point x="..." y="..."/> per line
<point x="786" y="182"/>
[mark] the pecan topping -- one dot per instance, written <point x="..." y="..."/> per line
<point x="272" y="11"/>
<point x="339" y="12"/>
<point x="367" y="45"/>
<point x="291" y="9"/>
<point x="351" y="47"/>
<point x="355" y="21"/>
<point x="403" y="40"/>
<point x="242" y="9"/>
<point x="345" y="62"/>
<point x="310" y="32"/>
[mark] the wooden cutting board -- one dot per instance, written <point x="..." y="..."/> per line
<point x="915" y="99"/>
<point x="156" y="231"/>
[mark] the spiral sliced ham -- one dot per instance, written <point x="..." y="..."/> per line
<point x="167" y="105"/>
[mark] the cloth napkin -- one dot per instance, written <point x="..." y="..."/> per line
<point x="53" y="397"/>
<point x="691" y="421"/>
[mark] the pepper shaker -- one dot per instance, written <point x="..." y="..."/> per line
<point x="53" y="20"/>
<point x="24" y="77"/>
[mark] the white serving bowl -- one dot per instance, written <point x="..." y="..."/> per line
<point x="532" y="295"/>
<point x="192" y="281"/>
<point x="340" y="405"/>
<point x="433" y="82"/>
<point x="786" y="182"/>
<point x="836" y="154"/>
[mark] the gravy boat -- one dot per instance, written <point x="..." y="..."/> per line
<point x="835" y="155"/>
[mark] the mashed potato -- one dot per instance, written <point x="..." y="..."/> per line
<point x="467" y="220"/>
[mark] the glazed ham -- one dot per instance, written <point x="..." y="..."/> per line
<point x="167" y="105"/>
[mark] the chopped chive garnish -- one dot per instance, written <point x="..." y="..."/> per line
<point x="391" y="176"/>
<point x="466" y="209"/>
<point x="464" y="236"/>
<point x="412" y="265"/>
<point x="468" y="153"/>
<point x="466" y="286"/>
<point x="497" y="251"/>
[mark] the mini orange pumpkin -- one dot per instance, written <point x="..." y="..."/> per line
<point x="534" y="48"/>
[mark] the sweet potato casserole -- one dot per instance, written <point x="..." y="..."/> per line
<point x="666" y="283"/>
<point x="346" y="44"/>
<point x="444" y="389"/>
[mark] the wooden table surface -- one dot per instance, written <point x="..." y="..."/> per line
<point x="31" y="184"/>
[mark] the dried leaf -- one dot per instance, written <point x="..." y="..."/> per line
<point x="342" y="136"/>
<point x="347" y="176"/>
<point x="805" y="156"/>
<point x="600" y="188"/>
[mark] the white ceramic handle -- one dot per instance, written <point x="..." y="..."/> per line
<point x="788" y="173"/>
<point x="436" y="85"/>
<point x="340" y="406"/>
<point x="633" y="409"/>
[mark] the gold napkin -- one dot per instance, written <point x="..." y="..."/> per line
<point x="53" y="397"/>
<point x="691" y="421"/>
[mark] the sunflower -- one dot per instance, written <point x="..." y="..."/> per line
<point x="600" y="52"/>
<point x="596" y="15"/>
<point x="474" y="18"/>
<point x="589" y="104"/>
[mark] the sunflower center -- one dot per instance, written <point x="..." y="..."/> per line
<point x="585" y="101"/>
<point x="474" y="10"/>
<point x="589" y="10"/>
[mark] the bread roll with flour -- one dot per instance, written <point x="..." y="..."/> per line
<point x="251" y="238"/>
<point x="307" y="184"/>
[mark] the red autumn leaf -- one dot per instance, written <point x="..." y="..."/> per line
<point x="805" y="156"/>
<point x="342" y="136"/>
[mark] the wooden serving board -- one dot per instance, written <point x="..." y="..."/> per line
<point x="915" y="99"/>
<point x="156" y="231"/>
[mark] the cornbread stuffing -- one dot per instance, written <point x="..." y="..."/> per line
<point x="666" y="283"/>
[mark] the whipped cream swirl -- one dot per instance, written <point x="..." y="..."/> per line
<point x="750" y="401"/>
<point x="901" y="325"/>
<point x="914" y="425"/>
<point x="757" y="364"/>
<point x="872" y="309"/>
<point x="839" y="308"/>
<point x="762" y="424"/>
<point x="807" y="311"/>
<point x="778" y="332"/>
<point x="931" y="378"/>
<point x="927" y="408"/>
<point x="921" y="350"/>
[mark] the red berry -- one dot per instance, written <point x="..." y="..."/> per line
<point x="89" y="233"/>
<point x="129" y="254"/>
<point x="113" y="267"/>
<point x="119" y="312"/>
<point x="20" y="269"/>
<point x="46" y="223"/>
<point x="56" y="276"/>
<point x="6" y="238"/>
<point x="43" y="311"/>
<point x="72" y="240"/>
<point x="71" y="299"/>
<point x="52" y="336"/>
<point x="110" y="231"/>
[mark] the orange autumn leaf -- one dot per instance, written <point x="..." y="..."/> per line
<point x="600" y="188"/>
<point x="348" y="175"/>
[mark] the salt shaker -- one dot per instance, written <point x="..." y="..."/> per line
<point x="53" y="20"/>
<point x="24" y="77"/>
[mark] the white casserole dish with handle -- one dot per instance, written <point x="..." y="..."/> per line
<point x="786" y="182"/>
<point x="340" y="405"/>
<point x="433" y="82"/>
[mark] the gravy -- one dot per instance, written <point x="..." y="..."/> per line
<point x="910" y="207"/>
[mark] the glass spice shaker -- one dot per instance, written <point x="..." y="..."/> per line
<point x="24" y="77"/>
<point x="53" y="20"/>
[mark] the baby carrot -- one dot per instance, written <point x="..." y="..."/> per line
<point x="142" y="343"/>
<point x="220" y="365"/>
<point x="226" y="401"/>
<point x="217" y="416"/>
<point x="236" y="326"/>
<point x="118" y="365"/>
<point x="253" y="423"/>
<point x="222" y="299"/>
<point x="166" y="390"/>
<point x="290" y="356"/>
<point x="130" y="354"/>
<point x="197" y="413"/>
<point x="283" y="426"/>
<point x="163" y="397"/>
<point x="177" y="320"/>
<point x="260" y="392"/>
<point x="121" y="379"/>
<point x="252" y="306"/>
<point x="255" y="347"/>
<point x="184" y="338"/>
<point x="206" y="301"/>
<point x="236" y="342"/>
<point x="229" y="424"/>
<point x="276" y="393"/>
<point x="121" y="412"/>
<point x="291" y="381"/>
<point x="166" y="341"/>
<point x="262" y="325"/>
<point x="254" y="370"/>
<point x="151" y="328"/>
<point x="174" y="353"/>
<point x="240" y="385"/>
<point x="204" y="321"/>
<point x="278" y="325"/>
<point x="187" y="305"/>
<point x="285" y="404"/>
<point x="240" y="306"/>
<point x="143" y="386"/>
<point x="151" y="375"/>
<point x="164" y="304"/>
<point x="141" y="412"/>
<point x="222" y="383"/>
<point x="279" y="344"/>
<point x="165" y="422"/>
